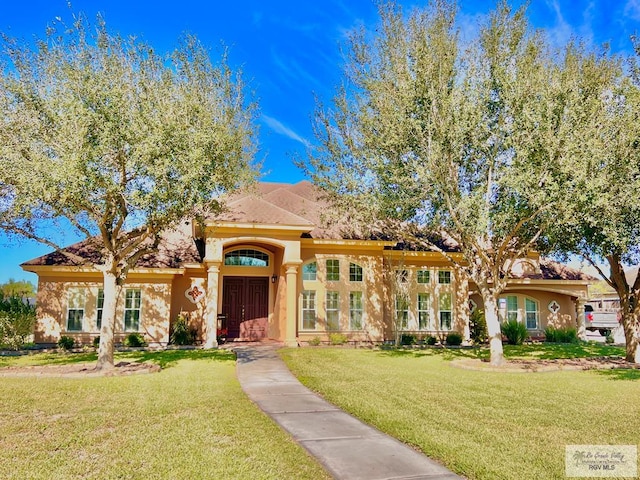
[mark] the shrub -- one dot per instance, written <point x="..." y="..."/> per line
<point x="181" y="335"/>
<point x="66" y="343"/>
<point x="337" y="338"/>
<point x="17" y="319"/>
<point x="515" y="332"/>
<point x="609" y="339"/>
<point x="315" y="341"/>
<point x="454" y="338"/>
<point x="134" y="340"/>
<point x="96" y="341"/>
<point x="408" y="339"/>
<point x="478" y="326"/>
<point x="560" y="335"/>
<point x="431" y="340"/>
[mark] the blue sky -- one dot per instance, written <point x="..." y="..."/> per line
<point x="289" y="52"/>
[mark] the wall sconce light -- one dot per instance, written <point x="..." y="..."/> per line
<point x="274" y="277"/>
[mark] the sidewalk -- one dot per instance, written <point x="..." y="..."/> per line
<point x="346" y="447"/>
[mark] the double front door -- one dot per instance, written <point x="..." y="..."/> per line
<point x="245" y="303"/>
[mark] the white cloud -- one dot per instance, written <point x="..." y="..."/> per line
<point x="278" y="127"/>
<point x="632" y="9"/>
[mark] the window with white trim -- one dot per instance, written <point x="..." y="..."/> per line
<point x="75" y="309"/>
<point x="423" y="276"/>
<point x="532" y="314"/>
<point x="310" y="271"/>
<point x="332" y="307"/>
<point x="512" y="308"/>
<point x="99" y="307"/>
<point x="424" y="317"/>
<point x="445" y="312"/>
<point x="333" y="270"/>
<point x="309" y="315"/>
<point x="132" y="306"/>
<point x="355" y="310"/>
<point x="355" y="272"/>
<point x="402" y="312"/>
<point x="444" y="277"/>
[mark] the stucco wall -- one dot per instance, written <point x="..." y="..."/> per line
<point x="53" y="303"/>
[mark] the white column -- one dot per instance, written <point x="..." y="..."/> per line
<point x="211" y="321"/>
<point x="582" y="332"/>
<point x="292" y="306"/>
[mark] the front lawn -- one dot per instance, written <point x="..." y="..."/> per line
<point x="189" y="421"/>
<point x="484" y="425"/>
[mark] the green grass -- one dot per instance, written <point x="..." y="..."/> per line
<point x="191" y="420"/>
<point x="484" y="425"/>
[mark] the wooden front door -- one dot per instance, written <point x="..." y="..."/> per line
<point x="245" y="302"/>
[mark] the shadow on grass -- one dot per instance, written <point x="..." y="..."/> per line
<point x="168" y="358"/>
<point x="548" y="351"/>
<point x="164" y="358"/>
<point x="620" y="374"/>
<point x="445" y="353"/>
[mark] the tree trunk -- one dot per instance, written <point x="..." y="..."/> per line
<point x="111" y="293"/>
<point x="631" y="336"/>
<point x="493" y="325"/>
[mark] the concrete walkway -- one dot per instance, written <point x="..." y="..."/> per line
<point x="346" y="447"/>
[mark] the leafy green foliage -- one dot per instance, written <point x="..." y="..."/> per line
<point x="337" y="338"/>
<point x="135" y="340"/>
<point x="66" y="343"/>
<point x="182" y="334"/>
<point x="515" y="332"/>
<point x="561" y="335"/>
<point x="478" y="326"/>
<point x="408" y="339"/>
<point x="454" y="338"/>
<point x="96" y="341"/>
<point x="17" y="319"/>
<point x="19" y="288"/>
<point x="315" y="341"/>
<point x="117" y="140"/>
<point x="431" y="340"/>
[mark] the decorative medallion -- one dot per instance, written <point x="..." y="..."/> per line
<point x="554" y="307"/>
<point x="195" y="293"/>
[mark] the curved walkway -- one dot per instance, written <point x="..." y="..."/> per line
<point x="348" y="448"/>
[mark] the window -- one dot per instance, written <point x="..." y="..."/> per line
<point x="402" y="276"/>
<point x="402" y="312"/>
<point x="75" y="310"/>
<point x="355" y="272"/>
<point x="512" y="308"/>
<point x="309" y="309"/>
<point x="531" y="313"/>
<point x="333" y="310"/>
<point x="355" y="310"/>
<point x="132" y="302"/>
<point x="99" y="307"/>
<point x="246" y="258"/>
<point x="333" y="270"/>
<point x="445" y="311"/>
<point x="424" y="320"/>
<point x="423" y="276"/>
<point x="444" y="277"/>
<point x="310" y="271"/>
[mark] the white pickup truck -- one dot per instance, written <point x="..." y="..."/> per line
<point x="605" y="321"/>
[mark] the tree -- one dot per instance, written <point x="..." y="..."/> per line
<point x="455" y="138"/>
<point x="120" y="142"/>
<point x="601" y="218"/>
<point x="18" y="288"/>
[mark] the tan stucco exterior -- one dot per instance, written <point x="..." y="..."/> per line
<point x="361" y="298"/>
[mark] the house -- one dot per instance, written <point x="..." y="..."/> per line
<point x="270" y="270"/>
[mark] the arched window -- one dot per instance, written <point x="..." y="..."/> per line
<point x="246" y="258"/>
